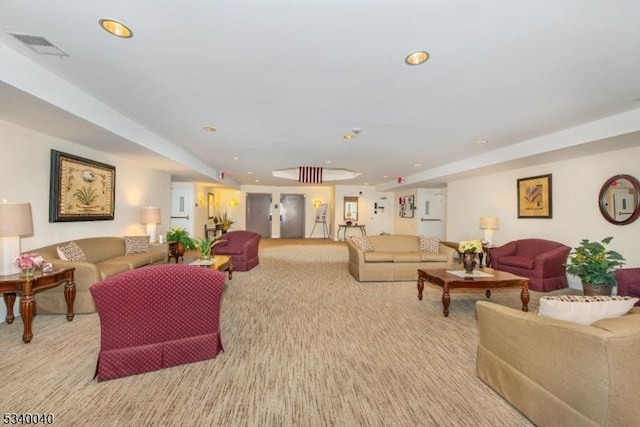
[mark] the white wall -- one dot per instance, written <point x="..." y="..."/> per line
<point x="575" y="188"/>
<point x="24" y="176"/>
<point x="238" y="213"/>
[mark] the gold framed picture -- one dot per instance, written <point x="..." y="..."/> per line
<point x="534" y="197"/>
<point x="80" y="189"/>
<point x="211" y="206"/>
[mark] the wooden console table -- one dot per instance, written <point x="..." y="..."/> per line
<point x="344" y="227"/>
<point x="12" y="285"/>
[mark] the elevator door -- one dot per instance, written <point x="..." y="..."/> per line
<point x="292" y="215"/>
<point x="259" y="213"/>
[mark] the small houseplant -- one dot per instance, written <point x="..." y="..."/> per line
<point x="595" y="266"/>
<point x="182" y="241"/>
<point x="206" y="244"/>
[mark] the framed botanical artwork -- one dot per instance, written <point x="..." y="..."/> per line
<point x="534" y="197"/>
<point x="80" y="189"/>
<point x="211" y="206"/>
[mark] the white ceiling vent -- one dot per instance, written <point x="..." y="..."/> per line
<point x="39" y="44"/>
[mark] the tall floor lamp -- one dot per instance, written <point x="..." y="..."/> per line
<point x="488" y="224"/>
<point x="150" y="216"/>
<point x="15" y="221"/>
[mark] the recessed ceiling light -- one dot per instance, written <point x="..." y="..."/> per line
<point x="249" y="173"/>
<point x="116" y="28"/>
<point x="417" y="165"/>
<point x="327" y="162"/>
<point x="209" y="129"/>
<point x="417" y="58"/>
<point x="349" y="136"/>
<point x="236" y="158"/>
<point x="482" y="142"/>
<point x="257" y="180"/>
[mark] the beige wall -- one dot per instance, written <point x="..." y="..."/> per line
<point x="24" y="176"/>
<point x="575" y="187"/>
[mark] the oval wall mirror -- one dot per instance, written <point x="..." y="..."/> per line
<point x="620" y="199"/>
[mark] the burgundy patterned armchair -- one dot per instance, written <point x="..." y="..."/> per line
<point x="628" y="280"/>
<point x="541" y="261"/>
<point x="242" y="246"/>
<point x="156" y="317"/>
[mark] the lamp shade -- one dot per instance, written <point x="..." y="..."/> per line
<point x="15" y="219"/>
<point x="150" y="215"/>
<point x="489" y="223"/>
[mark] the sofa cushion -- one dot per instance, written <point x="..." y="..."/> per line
<point x="378" y="256"/>
<point x="584" y="309"/>
<point x="136" y="244"/>
<point x="363" y="243"/>
<point x="108" y="269"/>
<point x="517" y="261"/>
<point x="133" y="260"/>
<point x="71" y="252"/>
<point x="437" y="257"/>
<point x="429" y="244"/>
<point x="406" y="257"/>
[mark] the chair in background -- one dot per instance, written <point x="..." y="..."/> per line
<point x="628" y="280"/>
<point x="242" y="246"/>
<point x="541" y="261"/>
<point x="156" y="317"/>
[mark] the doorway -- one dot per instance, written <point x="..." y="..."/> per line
<point x="431" y="212"/>
<point x="182" y="206"/>
<point x="259" y="213"/>
<point x="292" y="215"/>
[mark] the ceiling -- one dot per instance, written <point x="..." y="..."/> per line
<point x="282" y="82"/>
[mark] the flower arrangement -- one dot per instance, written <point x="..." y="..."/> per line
<point x="28" y="261"/>
<point x="470" y="246"/>
<point x="593" y="263"/>
<point x="226" y="222"/>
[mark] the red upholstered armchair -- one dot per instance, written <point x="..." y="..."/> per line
<point x="541" y="261"/>
<point x="242" y="246"/>
<point x="628" y="280"/>
<point x="156" y="317"/>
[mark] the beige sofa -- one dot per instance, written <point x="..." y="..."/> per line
<point x="559" y="373"/>
<point x="395" y="258"/>
<point x="105" y="258"/>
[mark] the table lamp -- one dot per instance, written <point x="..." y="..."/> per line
<point x="488" y="224"/>
<point x="15" y="221"/>
<point x="150" y="216"/>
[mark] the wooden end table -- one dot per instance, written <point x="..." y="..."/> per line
<point x="221" y="263"/>
<point x="494" y="279"/>
<point x="12" y="285"/>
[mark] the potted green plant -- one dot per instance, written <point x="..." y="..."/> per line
<point x="179" y="241"/>
<point x="595" y="266"/>
<point x="204" y="244"/>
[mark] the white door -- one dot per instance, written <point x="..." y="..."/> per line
<point x="182" y="207"/>
<point x="624" y="206"/>
<point x="430" y="210"/>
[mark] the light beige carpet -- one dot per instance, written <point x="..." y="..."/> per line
<point x="305" y="345"/>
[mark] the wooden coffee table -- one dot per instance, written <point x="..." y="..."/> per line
<point x="220" y="262"/>
<point x="487" y="278"/>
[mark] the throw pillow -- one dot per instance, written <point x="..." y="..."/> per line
<point x="363" y="243"/>
<point x="584" y="309"/>
<point x="71" y="252"/>
<point x="136" y="245"/>
<point x="429" y="244"/>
